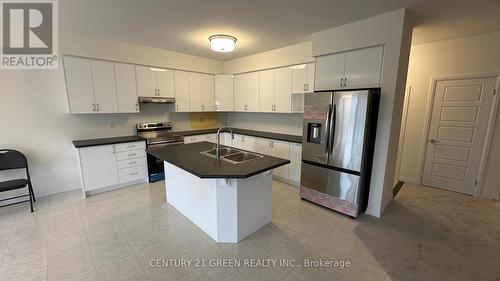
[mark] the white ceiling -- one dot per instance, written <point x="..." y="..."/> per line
<point x="261" y="25"/>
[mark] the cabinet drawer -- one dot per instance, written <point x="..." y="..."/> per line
<point x="130" y="154"/>
<point x="130" y="146"/>
<point x="132" y="163"/>
<point x="132" y="174"/>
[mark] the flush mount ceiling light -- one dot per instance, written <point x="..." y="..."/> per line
<point x="222" y="43"/>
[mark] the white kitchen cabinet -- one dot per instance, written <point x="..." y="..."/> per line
<point x="349" y="70"/>
<point x="363" y="67"/>
<point x="181" y="83"/>
<point x="79" y="85"/>
<point x="244" y="142"/>
<point x="275" y="148"/>
<point x="154" y="82"/>
<point x="283" y="89"/>
<point x="281" y="149"/>
<point x="303" y="78"/>
<point x="195" y="94"/>
<point x="146" y="81"/>
<point x="208" y="92"/>
<point x="114" y="166"/>
<point x="126" y="88"/>
<point x="99" y="167"/>
<point x="275" y="90"/>
<point x="266" y="90"/>
<point x="330" y="70"/>
<point x="165" y="82"/>
<point x="103" y="78"/>
<point x="295" y="163"/>
<point x="224" y="92"/>
<point x="246" y="92"/>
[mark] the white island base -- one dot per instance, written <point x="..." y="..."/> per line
<point x="226" y="209"/>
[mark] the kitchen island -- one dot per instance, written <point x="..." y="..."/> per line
<point x="229" y="198"/>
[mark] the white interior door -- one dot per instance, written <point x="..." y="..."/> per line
<point x="457" y="133"/>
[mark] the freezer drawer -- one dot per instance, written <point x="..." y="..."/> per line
<point x="331" y="182"/>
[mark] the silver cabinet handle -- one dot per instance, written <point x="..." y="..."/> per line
<point x="133" y="162"/>
<point x="134" y="173"/>
<point x="176" y="107"/>
<point x="433" y="141"/>
<point x="345" y="81"/>
<point x="130" y="146"/>
<point x="93" y="107"/>
<point x="137" y="106"/>
<point x="131" y="154"/>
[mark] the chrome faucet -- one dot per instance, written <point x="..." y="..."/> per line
<point x="218" y="139"/>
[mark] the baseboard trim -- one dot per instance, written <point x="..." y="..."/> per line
<point x="409" y="180"/>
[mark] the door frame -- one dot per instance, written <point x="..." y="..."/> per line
<point x="489" y="127"/>
<point x="402" y="134"/>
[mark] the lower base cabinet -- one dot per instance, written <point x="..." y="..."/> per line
<point x="108" y="167"/>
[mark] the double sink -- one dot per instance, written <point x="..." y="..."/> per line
<point x="232" y="155"/>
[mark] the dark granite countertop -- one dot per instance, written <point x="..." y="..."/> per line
<point x="267" y="135"/>
<point x="189" y="158"/>
<point x="106" y="141"/>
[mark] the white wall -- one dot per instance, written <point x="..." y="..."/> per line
<point x="284" y="123"/>
<point x="33" y="110"/>
<point x="394" y="32"/>
<point x="290" y="55"/>
<point x="467" y="55"/>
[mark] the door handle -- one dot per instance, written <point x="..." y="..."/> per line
<point x="433" y="141"/>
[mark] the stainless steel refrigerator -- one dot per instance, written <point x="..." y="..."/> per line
<point x="337" y="148"/>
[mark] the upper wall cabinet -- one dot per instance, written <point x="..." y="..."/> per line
<point x="79" y="85"/>
<point x="275" y="90"/>
<point x="103" y="78"/>
<point x="195" y="94"/>
<point x="126" y="88"/>
<point x="181" y="91"/>
<point x="154" y="82"/>
<point x="93" y="86"/>
<point x="224" y="90"/>
<point x="349" y="70"/>
<point x="246" y="92"/>
<point x="303" y="78"/>
<point x="207" y="92"/>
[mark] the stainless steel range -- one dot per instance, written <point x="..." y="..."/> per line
<point x="157" y="134"/>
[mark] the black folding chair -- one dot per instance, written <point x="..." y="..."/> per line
<point x="9" y="160"/>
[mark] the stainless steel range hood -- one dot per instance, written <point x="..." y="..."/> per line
<point x="156" y="100"/>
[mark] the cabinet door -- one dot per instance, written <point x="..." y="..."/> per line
<point x="146" y="81"/>
<point x="263" y="146"/>
<point x="295" y="162"/>
<point x="311" y="70"/>
<point x="207" y="92"/>
<point x="250" y="143"/>
<point x="283" y="90"/>
<point x="165" y="83"/>
<point x="239" y="93"/>
<point x="299" y="78"/>
<point x="126" y="88"/>
<point x="282" y="150"/>
<point x="195" y="93"/>
<point x="181" y="91"/>
<point x="363" y="66"/>
<point x="224" y="90"/>
<point x="192" y="139"/>
<point x="252" y="91"/>
<point x="266" y="91"/>
<point x="239" y="141"/>
<point x="329" y="72"/>
<point x="79" y="85"/>
<point x="99" y="168"/>
<point x="103" y="78"/>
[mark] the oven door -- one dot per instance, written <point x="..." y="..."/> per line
<point x="155" y="165"/>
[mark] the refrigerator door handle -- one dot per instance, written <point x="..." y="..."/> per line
<point x="331" y="129"/>
<point x="328" y="127"/>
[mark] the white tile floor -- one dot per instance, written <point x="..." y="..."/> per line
<point x="426" y="234"/>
